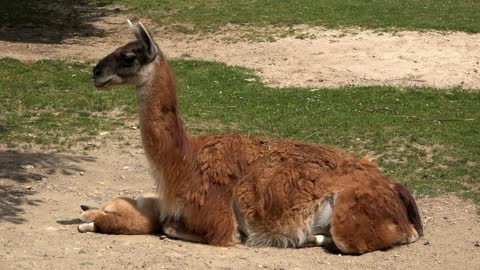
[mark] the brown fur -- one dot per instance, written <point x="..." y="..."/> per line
<point x="128" y="216"/>
<point x="278" y="186"/>
<point x="124" y="216"/>
<point x="283" y="192"/>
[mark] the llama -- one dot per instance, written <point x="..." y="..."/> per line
<point x="225" y="188"/>
<point x="128" y="216"/>
<point x="124" y="215"/>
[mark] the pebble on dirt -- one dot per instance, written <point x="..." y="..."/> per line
<point x="27" y="167"/>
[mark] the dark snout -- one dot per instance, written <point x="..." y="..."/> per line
<point x="97" y="71"/>
<point x="102" y="74"/>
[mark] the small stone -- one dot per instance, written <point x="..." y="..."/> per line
<point x="28" y="167"/>
<point x="51" y="229"/>
<point x="426" y="243"/>
<point x="162" y="237"/>
<point x="28" y="187"/>
<point x="81" y="173"/>
<point x="103" y="133"/>
<point x="126" y="167"/>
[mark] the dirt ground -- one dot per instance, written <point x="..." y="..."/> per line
<point x="40" y="191"/>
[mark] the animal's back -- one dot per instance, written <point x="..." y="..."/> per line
<point x="280" y="199"/>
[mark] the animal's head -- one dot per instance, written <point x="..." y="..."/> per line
<point x="128" y="64"/>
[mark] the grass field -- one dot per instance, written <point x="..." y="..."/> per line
<point x="193" y="15"/>
<point x="202" y="15"/>
<point x="53" y="103"/>
<point x="427" y="139"/>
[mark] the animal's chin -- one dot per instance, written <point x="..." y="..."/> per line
<point x="101" y="84"/>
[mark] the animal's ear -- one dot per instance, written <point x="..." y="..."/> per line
<point x="86" y="207"/>
<point x="142" y="34"/>
<point x="135" y="29"/>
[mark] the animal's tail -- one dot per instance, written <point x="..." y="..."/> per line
<point x="411" y="207"/>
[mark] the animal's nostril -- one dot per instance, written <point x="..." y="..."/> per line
<point x="97" y="72"/>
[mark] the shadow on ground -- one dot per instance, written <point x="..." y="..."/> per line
<point x="24" y="167"/>
<point x="50" y="21"/>
<point x="12" y="200"/>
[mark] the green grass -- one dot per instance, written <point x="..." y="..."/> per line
<point x="50" y="102"/>
<point x="427" y="139"/>
<point x="456" y="15"/>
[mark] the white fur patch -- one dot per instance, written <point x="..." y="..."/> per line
<point x="323" y="216"/>
<point x="86" y="227"/>
<point x="322" y="240"/>
<point x="144" y="83"/>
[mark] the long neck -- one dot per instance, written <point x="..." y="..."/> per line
<point x="164" y="138"/>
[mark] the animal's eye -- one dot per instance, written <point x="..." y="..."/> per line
<point x="129" y="58"/>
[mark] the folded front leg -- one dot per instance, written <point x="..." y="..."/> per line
<point x="179" y="231"/>
<point x="88" y="216"/>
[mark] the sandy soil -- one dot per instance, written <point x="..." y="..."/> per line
<point x="41" y="191"/>
<point x="324" y="58"/>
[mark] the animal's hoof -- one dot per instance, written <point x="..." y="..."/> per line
<point x="80" y="229"/>
<point x="170" y="231"/>
<point x="86" y="227"/>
